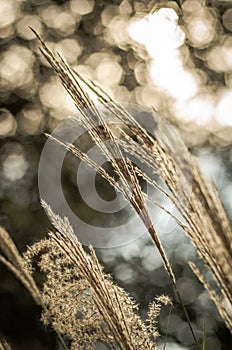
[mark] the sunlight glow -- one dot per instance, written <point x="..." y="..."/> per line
<point x="162" y="36"/>
<point x="172" y="71"/>
<point x="199" y="109"/>
<point x="224" y="108"/>
<point x="159" y="32"/>
<point x="169" y="75"/>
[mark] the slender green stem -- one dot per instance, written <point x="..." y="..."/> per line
<point x="170" y="272"/>
<point x="186" y="315"/>
<point x="168" y="267"/>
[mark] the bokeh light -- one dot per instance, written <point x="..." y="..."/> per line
<point x="180" y="69"/>
<point x="224" y="108"/>
<point x="9" y="11"/>
<point x="14" y="163"/>
<point x="24" y="24"/>
<point x="227" y="19"/>
<point x="81" y="7"/>
<point x="171" y="67"/>
<point x="8" y="123"/>
<point x="151" y="53"/>
<point x="16" y="68"/>
<point x="30" y="121"/>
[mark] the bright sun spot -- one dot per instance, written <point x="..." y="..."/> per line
<point x="224" y="108"/>
<point x="199" y="109"/>
<point x="162" y="36"/>
<point x="159" y="32"/>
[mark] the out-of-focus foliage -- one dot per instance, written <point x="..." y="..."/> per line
<point x="176" y="60"/>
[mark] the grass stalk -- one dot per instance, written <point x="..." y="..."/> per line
<point x="130" y="187"/>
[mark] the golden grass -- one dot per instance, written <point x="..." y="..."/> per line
<point x="4" y="345"/>
<point x="78" y="299"/>
<point x="207" y="223"/>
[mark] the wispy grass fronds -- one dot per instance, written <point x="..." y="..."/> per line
<point x="154" y="312"/>
<point x="210" y="230"/>
<point x="77" y="298"/>
<point x="80" y="300"/>
<point x="92" y="119"/>
<point x="4" y="345"/>
<point x="198" y="202"/>
<point x="22" y="270"/>
<point x="223" y="310"/>
<point x="13" y="260"/>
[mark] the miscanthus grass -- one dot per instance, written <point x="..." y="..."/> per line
<point x="4" y="345"/>
<point x="78" y="299"/>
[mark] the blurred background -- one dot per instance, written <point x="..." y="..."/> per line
<point x="173" y="56"/>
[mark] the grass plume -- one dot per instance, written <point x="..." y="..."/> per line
<point x="77" y="298"/>
<point x="4" y="345"/>
<point x="198" y="202"/>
